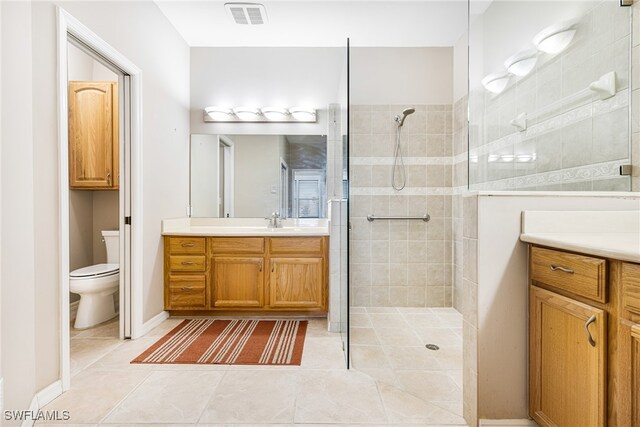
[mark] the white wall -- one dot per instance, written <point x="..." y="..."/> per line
<point x="461" y="68"/>
<point x="18" y="234"/>
<point x="261" y="77"/>
<point x="401" y="75"/>
<point x="503" y="293"/>
<point x="30" y="164"/>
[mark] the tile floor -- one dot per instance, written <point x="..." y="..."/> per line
<point x="108" y="390"/>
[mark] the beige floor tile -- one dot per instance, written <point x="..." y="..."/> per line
<point x="108" y="329"/>
<point x="120" y="357"/>
<point x="363" y="336"/>
<point x="383" y="375"/>
<point x="94" y="393"/>
<point x="414" y="310"/>
<point x="449" y="358"/>
<point x="357" y="310"/>
<point x="451" y="320"/>
<point x="167" y="397"/>
<point x="430" y="385"/>
<point x="439" y="336"/>
<point x="420" y="321"/>
<point x="165" y="327"/>
<point x="318" y="328"/>
<point x="382" y="310"/>
<point x="368" y="356"/>
<point x="337" y="396"/>
<point x="323" y="353"/>
<point x="456" y="376"/>
<point x="252" y="397"/>
<point x="411" y="358"/>
<point x="398" y="337"/>
<point x="405" y="408"/>
<point x="388" y="320"/>
<point x="359" y="320"/>
<point x="85" y="351"/>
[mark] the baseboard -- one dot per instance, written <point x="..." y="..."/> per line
<point x="508" y="423"/>
<point x="150" y="324"/>
<point x="73" y="310"/>
<point x="41" y="399"/>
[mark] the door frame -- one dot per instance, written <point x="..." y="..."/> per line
<point x="69" y="28"/>
<point x="229" y="173"/>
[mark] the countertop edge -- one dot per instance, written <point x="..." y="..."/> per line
<point x="232" y="234"/>
<point x="618" y="254"/>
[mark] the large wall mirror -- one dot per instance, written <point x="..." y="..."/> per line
<point x="252" y="176"/>
<point x="549" y="100"/>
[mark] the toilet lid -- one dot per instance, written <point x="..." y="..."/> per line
<point x="95" y="270"/>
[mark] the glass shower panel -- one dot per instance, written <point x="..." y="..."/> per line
<point x="343" y="184"/>
<point x="549" y="99"/>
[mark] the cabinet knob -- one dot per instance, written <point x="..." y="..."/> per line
<point x="558" y="268"/>
<point x="591" y="320"/>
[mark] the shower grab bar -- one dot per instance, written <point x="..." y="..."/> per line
<point x="372" y="217"/>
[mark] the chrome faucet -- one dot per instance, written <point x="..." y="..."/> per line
<point x="274" y="220"/>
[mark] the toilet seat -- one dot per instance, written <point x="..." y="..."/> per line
<point x="98" y="270"/>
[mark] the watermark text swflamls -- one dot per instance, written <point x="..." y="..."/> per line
<point x="25" y="415"/>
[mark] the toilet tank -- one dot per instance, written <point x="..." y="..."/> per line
<point x="112" y="242"/>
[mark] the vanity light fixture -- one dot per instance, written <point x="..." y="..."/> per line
<point x="496" y="83"/>
<point x="522" y="63"/>
<point x="219" y="113"/>
<point x="247" y="114"/>
<point x="556" y="38"/>
<point x="303" y="114"/>
<point x="275" y="113"/>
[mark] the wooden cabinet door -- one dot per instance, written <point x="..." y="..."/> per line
<point x="238" y="281"/>
<point x="567" y="374"/>
<point x="296" y="283"/>
<point x="93" y="135"/>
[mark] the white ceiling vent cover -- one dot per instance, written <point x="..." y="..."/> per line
<point x="247" y="13"/>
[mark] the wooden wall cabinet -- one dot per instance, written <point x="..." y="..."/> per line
<point x="250" y="275"/>
<point x="93" y="135"/>
<point x="584" y="340"/>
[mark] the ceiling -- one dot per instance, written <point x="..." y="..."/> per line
<point x="308" y="23"/>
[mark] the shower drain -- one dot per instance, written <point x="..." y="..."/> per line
<point x="432" y="347"/>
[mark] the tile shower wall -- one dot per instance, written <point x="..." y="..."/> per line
<point x="401" y="263"/>
<point x="460" y="184"/>
<point x="573" y="139"/>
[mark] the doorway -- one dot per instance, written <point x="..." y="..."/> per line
<point x="123" y="171"/>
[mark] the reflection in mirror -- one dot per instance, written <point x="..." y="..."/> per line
<point x="252" y="176"/>
<point x="549" y="99"/>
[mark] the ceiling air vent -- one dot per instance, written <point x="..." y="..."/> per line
<point x="247" y="13"/>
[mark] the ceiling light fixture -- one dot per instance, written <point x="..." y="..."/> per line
<point x="522" y="63"/>
<point x="247" y="114"/>
<point x="556" y="38"/>
<point x="303" y="114"/>
<point x="219" y="113"/>
<point x="496" y="83"/>
<point x="275" y="113"/>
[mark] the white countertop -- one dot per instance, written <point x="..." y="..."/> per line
<point x="609" y="234"/>
<point x="243" y="227"/>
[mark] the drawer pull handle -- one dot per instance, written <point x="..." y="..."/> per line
<point x="260" y="266"/>
<point x="565" y="269"/>
<point x="188" y="245"/>
<point x="186" y="289"/>
<point x="187" y="262"/>
<point x="591" y="320"/>
<point x="273" y="266"/>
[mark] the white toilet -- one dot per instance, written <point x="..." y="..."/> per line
<point x="96" y="285"/>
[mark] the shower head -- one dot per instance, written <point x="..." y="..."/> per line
<point x="405" y="113"/>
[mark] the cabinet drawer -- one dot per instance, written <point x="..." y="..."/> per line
<point x="295" y="245"/>
<point x="582" y="275"/>
<point x="631" y="287"/>
<point x="187" y="292"/>
<point x="237" y="245"/>
<point x="187" y="262"/>
<point x="187" y="245"/>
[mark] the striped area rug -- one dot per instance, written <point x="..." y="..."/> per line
<point x="231" y="342"/>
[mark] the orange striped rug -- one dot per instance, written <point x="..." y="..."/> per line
<point x="230" y="342"/>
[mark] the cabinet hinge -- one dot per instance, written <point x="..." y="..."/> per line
<point x="127" y="220"/>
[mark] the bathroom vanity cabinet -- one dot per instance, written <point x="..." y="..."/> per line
<point x="249" y="275"/>
<point x="584" y="340"/>
<point x="93" y="135"/>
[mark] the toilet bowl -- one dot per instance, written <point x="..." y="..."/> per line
<point x="96" y="285"/>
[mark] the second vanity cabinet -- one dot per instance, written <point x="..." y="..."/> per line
<point x="246" y="274"/>
<point x="584" y="340"/>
